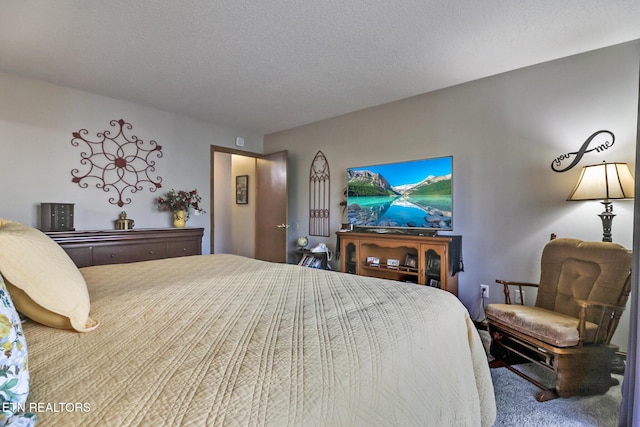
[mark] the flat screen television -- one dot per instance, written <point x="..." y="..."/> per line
<point x="409" y="195"/>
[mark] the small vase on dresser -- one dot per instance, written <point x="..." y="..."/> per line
<point x="179" y="219"/>
<point x="179" y="203"/>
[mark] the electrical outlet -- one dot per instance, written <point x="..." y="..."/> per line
<point x="519" y="297"/>
<point x="484" y="291"/>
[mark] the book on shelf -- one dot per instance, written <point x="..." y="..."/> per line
<point x="311" y="261"/>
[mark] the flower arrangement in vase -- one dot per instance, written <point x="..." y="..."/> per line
<point x="179" y="202"/>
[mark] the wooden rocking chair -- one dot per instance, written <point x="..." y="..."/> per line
<point x="583" y="289"/>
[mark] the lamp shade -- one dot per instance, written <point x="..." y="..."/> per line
<point x="604" y="181"/>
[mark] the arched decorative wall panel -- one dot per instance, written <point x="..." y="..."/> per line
<point x="319" y="187"/>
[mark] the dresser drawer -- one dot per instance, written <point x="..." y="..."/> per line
<point x="120" y="246"/>
<point x="115" y="254"/>
<point x="184" y="248"/>
<point x="80" y="256"/>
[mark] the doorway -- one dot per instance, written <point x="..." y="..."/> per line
<point x="257" y="228"/>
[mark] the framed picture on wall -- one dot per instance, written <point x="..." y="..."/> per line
<point x="242" y="189"/>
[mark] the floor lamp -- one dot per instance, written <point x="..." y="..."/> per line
<point x="606" y="182"/>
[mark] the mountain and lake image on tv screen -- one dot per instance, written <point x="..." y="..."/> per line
<point x="412" y="194"/>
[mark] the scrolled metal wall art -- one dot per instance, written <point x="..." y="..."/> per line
<point x="117" y="162"/>
<point x="556" y="165"/>
<point x="319" y="185"/>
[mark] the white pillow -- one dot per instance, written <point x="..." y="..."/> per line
<point x="44" y="283"/>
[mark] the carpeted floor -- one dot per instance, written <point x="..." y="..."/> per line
<point x="517" y="405"/>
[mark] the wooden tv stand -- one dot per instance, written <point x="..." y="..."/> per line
<point x="430" y="261"/>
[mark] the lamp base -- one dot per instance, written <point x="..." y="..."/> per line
<point x="607" y="219"/>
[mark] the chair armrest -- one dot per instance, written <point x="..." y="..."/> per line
<point x="513" y="283"/>
<point x="507" y="283"/>
<point x="587" y="304"/>
<point x="612" y="310"/>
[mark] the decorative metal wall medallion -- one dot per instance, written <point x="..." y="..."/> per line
<point x="319" y="180"/>
<point x="117" y="162"/>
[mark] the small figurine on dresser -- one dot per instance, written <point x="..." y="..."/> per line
<point x="123" y="223"/>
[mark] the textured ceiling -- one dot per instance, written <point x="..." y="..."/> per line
<point x="271" y="65"/>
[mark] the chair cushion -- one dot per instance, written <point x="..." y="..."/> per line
<point x="548" y="326"/>
<point x="574" y="269"/>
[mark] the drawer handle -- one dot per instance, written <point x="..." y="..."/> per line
<point x="184" y="249"/>
<point x="151" y="252"/>
<point x="112" y="255"/>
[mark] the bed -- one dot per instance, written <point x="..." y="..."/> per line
<point x="227" y="340"/>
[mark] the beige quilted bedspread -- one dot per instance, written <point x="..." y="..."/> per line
<point x="226" y="340"/>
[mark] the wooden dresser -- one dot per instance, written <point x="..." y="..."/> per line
<point x="88" y="248"/>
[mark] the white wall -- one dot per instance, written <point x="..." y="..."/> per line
<point x="235" y="224"/>
<point x="243" y="222"/>
<point x="36" y="155"/>
<point x="223" y="193"/>
<point x="503" y="132"/>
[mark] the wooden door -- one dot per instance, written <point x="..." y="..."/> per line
<point x="272" y="207"/>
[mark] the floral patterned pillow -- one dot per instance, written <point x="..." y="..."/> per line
<point x="14" y="367"/>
